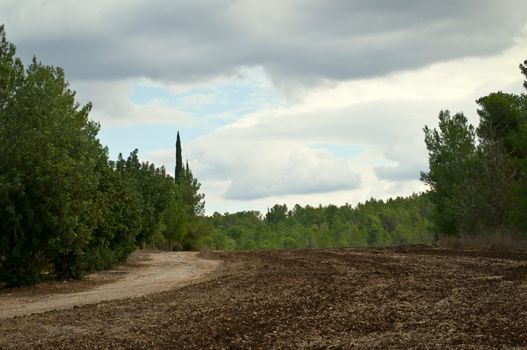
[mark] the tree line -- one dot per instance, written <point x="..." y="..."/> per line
<point x="396" y="221"/>
<point x="478" y="175"/>
<point x="65" y="207"/>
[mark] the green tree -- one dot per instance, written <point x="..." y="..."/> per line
<point x="156" y="190"/>
<point x="518" y="139"/>
<point x="49" y="170"/>
<point x="499" y="120"/>
<point x="179" y="171"/>
<point x="481" y="189"/>
<point x="452" y="159"/>
<point x="122" y="219"/>
<point x="182" y="226"/>
<point x="276" y="214"/>
<point x="175" y="222"/>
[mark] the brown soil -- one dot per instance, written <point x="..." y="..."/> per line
<point x="396" y="298"/>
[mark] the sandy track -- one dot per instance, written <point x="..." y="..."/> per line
<point x="154" y="272"/>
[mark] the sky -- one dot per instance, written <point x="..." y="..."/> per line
<point x="291" y="101"/>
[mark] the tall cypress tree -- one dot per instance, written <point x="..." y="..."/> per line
<point x="179" y="161"/>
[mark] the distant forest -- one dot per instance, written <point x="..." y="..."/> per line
<point x="66" y="208"/>
<point x="375" y="223"/>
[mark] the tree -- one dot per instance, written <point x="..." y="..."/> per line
<point x="500" y="116"/>
<point x="193" y="205"/>
<point x="276" y="214"/>
<point x="481" y="189"/>
<point x="11" y="71"/>
<point x="181" y="221"/>
<point x="123" y="221"/>
<point x="452" y="155"/>
<point x="49" y="157"/>
<point x="178" y="175"/>
<point x="175" y="222"/>
<point x="191" y="197"/>
<point x="156" y="190"/>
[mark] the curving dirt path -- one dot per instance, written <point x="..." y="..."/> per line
<point x="151" y="272"/>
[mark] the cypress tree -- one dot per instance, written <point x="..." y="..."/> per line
<point x="179" y="161"/>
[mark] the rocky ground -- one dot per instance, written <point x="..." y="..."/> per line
<point x="393" y="298"/>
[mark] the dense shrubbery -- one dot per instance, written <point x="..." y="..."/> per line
<point x="478" y="176"/>
<point x="374" y="223"/>
<point x="64" y="207"/>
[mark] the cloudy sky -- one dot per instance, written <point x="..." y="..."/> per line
<point x="296" y="101"/>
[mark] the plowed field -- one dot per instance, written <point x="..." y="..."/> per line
<point x="394" y="298"/>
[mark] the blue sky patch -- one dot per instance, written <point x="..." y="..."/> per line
<point x="233" y="98"/>
<point x="212" y="106"/>
<point x="124" y="139"/>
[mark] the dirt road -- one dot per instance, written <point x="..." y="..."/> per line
<point x="393" y="298"/>
<point x="150" y="272"/>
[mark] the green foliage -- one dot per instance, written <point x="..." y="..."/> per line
<point x="452" y="156"/>
<point x="49" y="170"/>
<point x="480" y="188"/>
<point x="64" y="207"/>
<point x="519" y="165"/>
<point x="374" y="223"/>
<point x="277" y="214"/>
<point x="178" y="174"/>
<point x="181" y="224"/>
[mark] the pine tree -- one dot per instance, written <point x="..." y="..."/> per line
<point x="452" y="156"/>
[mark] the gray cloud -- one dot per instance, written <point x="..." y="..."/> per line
<point x="298" y="41"/>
